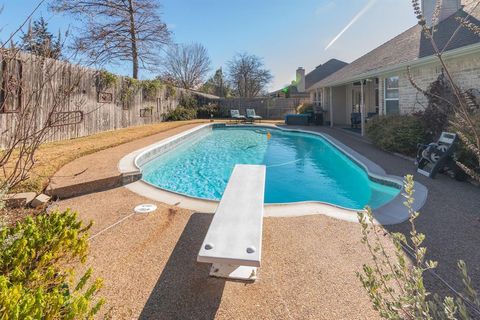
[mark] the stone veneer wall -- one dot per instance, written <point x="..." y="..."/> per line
<point x="465" y="70"/>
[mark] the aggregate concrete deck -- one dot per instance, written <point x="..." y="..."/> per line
<point x="450" y="219"/>
<point x="148" y="263"/>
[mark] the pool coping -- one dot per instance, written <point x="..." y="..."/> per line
<point x="393" y="212"/>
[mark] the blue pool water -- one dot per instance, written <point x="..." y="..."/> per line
<point x="300" y="167"/>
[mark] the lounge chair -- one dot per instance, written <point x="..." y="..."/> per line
<point x="235" y="114"/>
<point x="433" y="157"/>
<point x="252" y="116"/>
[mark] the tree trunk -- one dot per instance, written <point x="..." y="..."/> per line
<point x="133" y="39"/>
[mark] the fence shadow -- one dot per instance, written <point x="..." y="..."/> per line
<point x="184" y="289"/>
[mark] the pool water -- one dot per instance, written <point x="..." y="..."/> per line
<point x="300" y="167"/>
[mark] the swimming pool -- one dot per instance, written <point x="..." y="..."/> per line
<point x="300" y="167"/>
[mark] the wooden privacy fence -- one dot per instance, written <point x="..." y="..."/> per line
<point x="74" y="101"/>
<point x="32" y="83"/>
<point x="267" y="107"/>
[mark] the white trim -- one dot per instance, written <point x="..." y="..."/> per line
<point x="385" y="99"/>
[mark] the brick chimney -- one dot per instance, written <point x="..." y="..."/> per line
<point x="300" y="80"/>
<point x="447" y="8"/>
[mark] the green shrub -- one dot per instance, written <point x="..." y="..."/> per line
<point x="398" y="133"/>
<point x="105" y="80"/>
<point x="209" y="110"/>
<point x="188" y="101"/>
<point x="180" y="114"/>
<point x="34" y="282"/>
<point x="150" y="88"/>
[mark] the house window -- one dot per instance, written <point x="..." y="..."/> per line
<point x="392" y="104"/>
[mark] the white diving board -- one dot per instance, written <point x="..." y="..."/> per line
<point x="233" y="243"/>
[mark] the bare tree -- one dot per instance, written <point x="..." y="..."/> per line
<point x="37" y="96"/>
<point x="247" y="75"/>
<point x="118" y="30"/>
<point x="187" y="64"/>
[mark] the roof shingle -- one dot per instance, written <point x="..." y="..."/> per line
<point x="409" y="46"/>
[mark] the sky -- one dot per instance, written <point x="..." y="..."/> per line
<point x="286" y="34"/>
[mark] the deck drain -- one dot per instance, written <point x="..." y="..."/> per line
<point x="145" y="208"/>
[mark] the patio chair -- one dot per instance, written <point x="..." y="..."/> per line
<point x="252" y="116"/>
<point x="433" y="157"/>
<point x="355" y="119"/>
<point x="235" y="115"/>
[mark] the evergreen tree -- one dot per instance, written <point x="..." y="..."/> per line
<point x="217" y="85"/>
<point x="39" y="41"/>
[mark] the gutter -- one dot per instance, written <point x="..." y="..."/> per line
<point x="459" y="52"/>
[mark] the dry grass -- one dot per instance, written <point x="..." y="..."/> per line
<point x="52" y="156"/>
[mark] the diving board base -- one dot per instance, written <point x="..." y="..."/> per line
<point x="233" y="272"/>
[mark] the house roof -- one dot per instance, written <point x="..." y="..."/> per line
<point x="409" y="46"/>
<point x="205" y="95"/>
<point x="323" y="71"/>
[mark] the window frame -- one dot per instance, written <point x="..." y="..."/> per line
<point x="385" y="90"/>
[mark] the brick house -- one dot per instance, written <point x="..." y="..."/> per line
<point x="378" y="82"/>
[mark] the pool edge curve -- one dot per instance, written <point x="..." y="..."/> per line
<point x="392" y="212"/>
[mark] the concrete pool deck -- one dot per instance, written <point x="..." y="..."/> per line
<point x="148" y="263"/>
<point x="450" y="219"/>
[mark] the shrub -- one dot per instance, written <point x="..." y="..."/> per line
<point x="464" y="154"/>
<point x="105" y="80"/>
<point x="395" y="285"/>
<point x="34" y="283"/>
<point x="150" y="88"/>
<point x="180" y="114"/>
<point x="206" y="111"/>
<point x="398" y="133"/>
<point x="188" y="101"/>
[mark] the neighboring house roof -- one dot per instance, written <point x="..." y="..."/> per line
<point x="317" y="74"/>
<point x="409" y="46"/>
<point x="323" y="71"/>
<point x="205" y="95"/>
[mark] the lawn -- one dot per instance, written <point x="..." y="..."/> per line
<point x="52" y="156"/>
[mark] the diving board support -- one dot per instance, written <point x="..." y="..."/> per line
<point x="233" y="243"/>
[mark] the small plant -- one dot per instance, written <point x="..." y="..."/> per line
<point x="150" y="88"/>
<point x="170" y="91"/>
<point x="34" y="282"/>
<point x="188" y="101"/>
<point x="397" y="133"/>
<point x="129" y="88"/>
<point x="395" y="285"/>
<point x="180" y="114"/>
<point x="105" y="80"/>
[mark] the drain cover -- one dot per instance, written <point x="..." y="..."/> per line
<point x="145" y="208"/>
